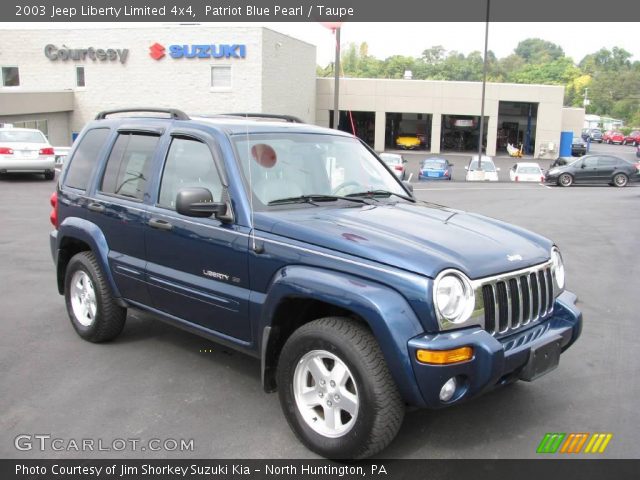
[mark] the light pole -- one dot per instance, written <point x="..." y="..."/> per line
<point x="484" y="85"/>
<point x="336" y="87"/>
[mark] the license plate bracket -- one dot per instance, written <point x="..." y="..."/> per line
<point x="543" y="358"/>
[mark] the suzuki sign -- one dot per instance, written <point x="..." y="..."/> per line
<point x="157" y="51"/>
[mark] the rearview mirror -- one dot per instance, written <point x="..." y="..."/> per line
<point x="198" y="202"/>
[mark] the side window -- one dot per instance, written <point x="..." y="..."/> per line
<point x="84" y="158"/>
<point x="189" y="164"/>
<point x="590" y="162"/>
<point x="127" y="169"/>
<point x="606" y="162"/>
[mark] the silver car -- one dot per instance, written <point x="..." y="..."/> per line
<point x="26" y="150"/>
<point x="396" y="163"/>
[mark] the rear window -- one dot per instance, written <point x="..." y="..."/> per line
<point x="21" y="136"/>
<point x="533" y="170"/>
<point x="81" y="164"/>
<point x="127" y="169"/>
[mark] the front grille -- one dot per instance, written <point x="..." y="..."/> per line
<point x="513" y="301"/>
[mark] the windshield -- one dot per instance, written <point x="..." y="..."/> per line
<point x="390" y="158"/>
<point x="289" y="165"/>
<point x="22" y="136"/>
<point x="433" y="164"/>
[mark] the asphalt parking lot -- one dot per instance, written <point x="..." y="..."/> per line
<point x="155" y="381"/>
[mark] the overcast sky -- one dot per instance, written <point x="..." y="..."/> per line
<point x="386" y="39"/>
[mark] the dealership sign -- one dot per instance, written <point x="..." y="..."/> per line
<point x="54" y="53"/>
<point x="157" y="51"/>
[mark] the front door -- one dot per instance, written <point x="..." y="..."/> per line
<point x="588" y="171"/>
<point x="197" y="267"/>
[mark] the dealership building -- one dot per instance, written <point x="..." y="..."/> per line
<point x="57" y="80"/>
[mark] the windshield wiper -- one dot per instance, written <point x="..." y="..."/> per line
<point x="379" y="193"/>
<point x="315" y="198"/>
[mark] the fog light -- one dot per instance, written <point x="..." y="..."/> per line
<point x="448" y="389"/>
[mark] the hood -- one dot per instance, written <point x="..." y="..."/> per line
<point x="421" y="238"/>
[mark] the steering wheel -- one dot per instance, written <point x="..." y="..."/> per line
<point x="344" y="185"/>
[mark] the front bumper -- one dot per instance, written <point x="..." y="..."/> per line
<point x="496" y="362"/>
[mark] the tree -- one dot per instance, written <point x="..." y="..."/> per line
<point x="537" y="51"/>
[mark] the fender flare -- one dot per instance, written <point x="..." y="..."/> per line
<point x="386" y="312"/>
<point x="88" y="232"/>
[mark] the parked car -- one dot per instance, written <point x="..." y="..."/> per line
<point x="396" y="163"/>
<point x="485" y="170"/>
<point x="595" y="169"/>
<point x="275" y="240"/>
<point x="632" y="139"/>
<point x="578" y="147"/>
<point x="408" y="142"/>
<point x="613" y="137"/>
<point x="526" y="172"/>
<point x="595" y="135"/>
<point x="435" y="168"/>
<point x="585" y="134"/>
<point x="638" y="151"/>
<point x="26" y="150"/>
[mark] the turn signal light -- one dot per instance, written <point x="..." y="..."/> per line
<point x="445" y="357"/>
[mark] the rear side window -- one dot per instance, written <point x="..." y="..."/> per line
<point x="127" y="169"/>
<point x="606" y="162"/>
<point x="84" y="158"/>
<point x="189" y="164"/>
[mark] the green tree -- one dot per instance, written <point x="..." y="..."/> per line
<point x="537" y="51"/>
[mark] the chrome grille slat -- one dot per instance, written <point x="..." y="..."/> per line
<point x="513" y="301"/>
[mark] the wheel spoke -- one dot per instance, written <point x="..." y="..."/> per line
<point x="348" y="402"/>
<point x="311" y="398"/>
<point x="332" y="417"/>
<point x="339" y="374"/>
<point x="318" y="370"/>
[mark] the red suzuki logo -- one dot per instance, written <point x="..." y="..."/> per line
<point x="156" y="51"/>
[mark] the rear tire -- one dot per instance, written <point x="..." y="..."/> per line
<point x="49" y="175"/>
<point x="565" y="180"/>
<point x="620" y="180"/>
<point x="93" y="312"/>
<point x="334" y="417"/>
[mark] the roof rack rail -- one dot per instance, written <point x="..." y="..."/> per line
<point x="286" y="118"/>
<point x="172" y="112"/>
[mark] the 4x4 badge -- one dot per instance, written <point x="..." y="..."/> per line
<point x="513" y="258"/>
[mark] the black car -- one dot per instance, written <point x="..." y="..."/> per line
<point x="595" y="169"/>
<point x="578" y="147"/>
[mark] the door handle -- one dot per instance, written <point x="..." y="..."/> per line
<point x="96" y="207"/>
<point x="160" y="224"/>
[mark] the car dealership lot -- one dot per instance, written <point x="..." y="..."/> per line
<point x="155" y="381"/>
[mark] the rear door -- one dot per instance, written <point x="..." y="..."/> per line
<point x="197" y="267"/>
<point x="118" y="208"/>
<point x="606" y="168"/>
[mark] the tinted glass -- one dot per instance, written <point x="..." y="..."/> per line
<point x="127" y="168"/>
<point x="10" y="77"/>
<point x="606" y="162"/>
<point x="189" y="164"/>
<point x="531" y="170"/>
<point x="81" y="164"/>
<point x="590" y="162"/>
<point x="433" y="164"/>
<point x="487" y="166"/>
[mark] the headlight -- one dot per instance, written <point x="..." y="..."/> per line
<point x="453" y="298"/>
<point x="557" y="267"/>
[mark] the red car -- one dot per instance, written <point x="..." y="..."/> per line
<point x="613" y="136"/>
<point x="632" y="139"/>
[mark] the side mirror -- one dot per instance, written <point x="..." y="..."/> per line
<point x="404" y="160"/>
<point x="466" y="167"/>
<point x="198" y="202"/>
<point x="408" y="186"/>
<point x="582" y="166"/>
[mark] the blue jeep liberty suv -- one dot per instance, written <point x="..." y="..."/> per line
<point x="296" y="244"/>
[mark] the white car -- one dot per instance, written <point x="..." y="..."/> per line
<point x="526" y="172"/>
<point x="396" y="163"/>
<point x="26" y="150"/>
<point x="485" y="172"/>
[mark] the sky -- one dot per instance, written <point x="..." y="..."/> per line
<point x="386" y="39"/>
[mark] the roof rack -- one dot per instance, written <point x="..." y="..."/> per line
<point x="270" y="116"/>
<point x="172" y="112"/>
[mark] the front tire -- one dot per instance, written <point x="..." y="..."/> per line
<point x="93" y="312"/>
<point x="565" y="180"/>
<point x="620" y="180"/>
<point x="336" y="391"/>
